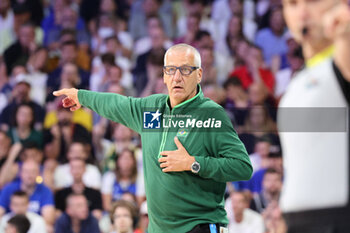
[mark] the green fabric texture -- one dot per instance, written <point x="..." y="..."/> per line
<point x="178" y="201"/>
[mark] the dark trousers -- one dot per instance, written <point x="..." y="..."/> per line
<point x="204" y="228"/>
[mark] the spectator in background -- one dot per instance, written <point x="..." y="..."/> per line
<point x="143" y="222"/>
<point x="124" y="217"/>
<point x="254" y="70"/>
<point x="34" y="6"/>
<point x="140" y="70"/>
<point x="254" y="185"/>
<point x="18" y="53"/>
<point x="144" y="44"/>
<point x="93" y="196"/>
<point x="69" y="53"/>
<point x="262" y="150"/>
<point x="197" y="8"/>
<point x="7" y="33"/>
<point x="19" y="205"/>
<point x="274" y="221"/>
<point x="210" y="73"/>
<point x="142" y="9"/>
<point x="23" y="130"/>
<point x="92" y="176"/>
<point x="192" y="28"/>
<point x="40" y="196"/>
<point x="20" y="153"/>
<point x="272" y="40"/>
<point x="69" y="21"/>
<point x="271" y="190"/>
<point x="237" y="101"/>
<point x="241" y="218"/>
<point x="64" y="127"/>
<point x="295" y="63"/>
<point x="77" y="217"/>
<point x="124" y="179"/>
<point x="18" y="224"/>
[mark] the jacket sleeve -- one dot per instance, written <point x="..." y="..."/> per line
<point x="227" y="158"/>
<point x="115" y="107"/>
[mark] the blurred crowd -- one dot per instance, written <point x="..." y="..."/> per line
<point x="79" y="172"/>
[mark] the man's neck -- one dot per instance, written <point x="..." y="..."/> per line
<point x="312" y="49"/>
<point x="29" y="189"/>
<point x="238" y="217"/>
<point x="75" y="225"/>
<point x="78" y="187"/>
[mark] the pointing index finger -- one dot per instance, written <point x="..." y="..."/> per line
<point x="59" y="92"/>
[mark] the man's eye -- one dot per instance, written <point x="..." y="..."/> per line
<point x="186" y="69"/>
<point x="171" y="70"/>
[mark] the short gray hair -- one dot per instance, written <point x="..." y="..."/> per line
<point x="197" y="56"/>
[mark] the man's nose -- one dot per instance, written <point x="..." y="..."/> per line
<point x="177" y="75"/>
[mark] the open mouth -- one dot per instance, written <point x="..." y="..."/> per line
<point x="177" y="88"/>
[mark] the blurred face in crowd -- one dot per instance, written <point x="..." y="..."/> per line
<point x="262" y="148"/>
<point x="242" y="48"/>
<point x="21" y="92"/>
<point x="77" y="207"/>
<point x="5" y="144"/>
<point x="157" y="37"/>
<point x="150" y="7"/>
<point x="70" y="74"/>
<point x="40" y="59"/>
<point x="236" y="7"/>
<point x="153" y="22"/>
<point x="69" y="18"/>
<point x="29" y="173"/>
<point x="19" y="204"/>
<point x="112" y="45"/>
<point x="257" y="117"/>
<point x="68" y="53"/>
<point x="194" y="8"/>
<point x="303" y="13"/>
<point x="24" y="116"/>
<point x="26" y="36"/>
<point x="181" y="87"/>
<point x="277" y="21"/>
<point x="64" y="117"/>
<point x="4" y="6"/>
<point x="115" y="74"/>
<point x="122" y="133"/>
<point x="108" y="6"/>
<point x="33" y="154"/>
<point x="126" y="163"/>
<point x="257" y="93"/>
<point x="77" y="151"/>
<point x="235" y="26"/>
<point x="123" y="220"/>
<point x="239" y="203"/>
<point x="77" y="169"/>
<point x="207" y="56"/>
<point x="272" y="183"/>
<point x="193" y="23"/>
<point x="11" y="229"/>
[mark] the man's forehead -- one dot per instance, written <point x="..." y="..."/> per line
<point x="180" y="57"/>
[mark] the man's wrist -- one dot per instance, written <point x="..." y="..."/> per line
<point x="191" y="160"/>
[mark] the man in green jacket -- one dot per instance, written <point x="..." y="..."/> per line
<point x="190" y="148"/>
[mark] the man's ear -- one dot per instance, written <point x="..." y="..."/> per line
<point x="199" y="77"/>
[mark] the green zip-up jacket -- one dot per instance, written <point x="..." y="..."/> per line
<point x="178" y="201"/>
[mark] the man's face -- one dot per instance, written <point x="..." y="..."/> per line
<point x="29" y="172"/>
<point x="26" y="36"/>
<point x="181" y="87"/>
<point x="24" y="116"/>
<point x="272" y="183"/>
<point x="19" y="205"/>
<point x="238" y="203"/>
<point x="77" y="169"/>
<point x="10" y="229"/>
<point x="76" y="151"/>
<point x="304" y="13"/>
<point x="68" y="54"/>
<point x="78" y="208"/>
<point x="123" y="220"/>
<point x="4" y="6"/>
